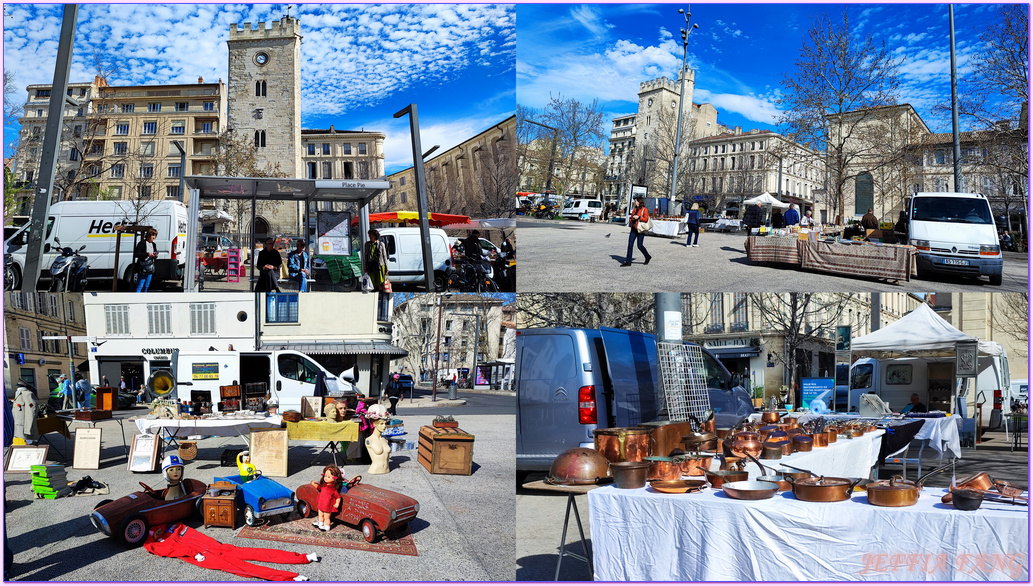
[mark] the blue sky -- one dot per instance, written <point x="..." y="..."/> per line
<point x="739" y="52"/>
<point x="361" y="63"/>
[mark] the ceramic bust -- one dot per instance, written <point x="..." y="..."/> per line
<point x="376" y="444"/>
<point x="172" y="471"/>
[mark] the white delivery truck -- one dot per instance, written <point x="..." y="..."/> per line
<point x="575" y="208"/>
<point x="92" y="224"/>
<point x="955" y="233"/>
<point x="284" y="375"/>
<point x="894" y="380"/>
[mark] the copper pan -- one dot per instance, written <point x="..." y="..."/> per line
<point x="783" y="484"/>
<point x="824" y="489"/>
<point x="750" y="490"/>
<point x="718" y="477"/>
<point x="663" y="468"/>
<point x="695" y="464"/>
<point x="897" y="492"/>
<point x="769" y="417"/>
<point x="820" y="440"/>
<point x="833" y="435"/>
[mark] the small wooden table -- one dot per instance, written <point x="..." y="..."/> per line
<point x="220" y="511"/>
<point x="571" y="491"/>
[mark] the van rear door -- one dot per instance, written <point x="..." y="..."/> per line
<point x="632" y="360"/>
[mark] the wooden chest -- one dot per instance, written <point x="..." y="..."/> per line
<point x="220" y="511"/>
<point x="446" y="450"/>
<point x="92" y="415"/>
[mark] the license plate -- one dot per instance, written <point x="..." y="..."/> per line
<point x="956" y="261"/>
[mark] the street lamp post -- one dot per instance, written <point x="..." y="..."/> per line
<point x="421" y="196"/>
<point x="681" y="96"/>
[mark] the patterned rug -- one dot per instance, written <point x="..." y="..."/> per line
<point x="300" y="531"/>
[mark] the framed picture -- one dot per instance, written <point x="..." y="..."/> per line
<point x="967" y="359"/>
<point x="143" y="456"/>
<point x="898" y="374"/>
<point x="87" y="448"/>
<point x="20" y="459"/>
<point x="311" y="407"/>
<point x="269" y="451"/>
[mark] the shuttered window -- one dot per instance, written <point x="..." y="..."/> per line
<point x="25" y="339"/>
<point x="202" y="318"/>
<point x="159" y="319"/>
<point x="116" y="320"/>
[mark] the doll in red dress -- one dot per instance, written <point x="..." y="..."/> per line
<point x="330" y="487"/>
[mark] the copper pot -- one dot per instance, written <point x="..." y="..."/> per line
<point x="748" y="435"/>
<point x="718" y="477"/>
<point x="777" y="436"/>
<point x="623" y="444"/>
<point x="722" y="432"/>
<point x="802" y="443"/>
<point x="785" y="445"/>
<point x="663" y="468"/>
<point x="744" y="443"/>
<point x="978" y="481"/>
<point x="771" y="451"/>
<point x="790" y="419"/>
<point x="831" y="435"/>
<point x="696" y="464"/>
<point x="793" y="474"/>
<point x="733" y="464"/>
<point x="824" y="489"/>
<point x="769" y="417"/>
<point x="579" y="466"/>
<point x="697" y="441"/>
<point x="629" y="474"/>
<point x="767" y="430"/>
<point x="897" y="492"/>
<point x="821" y="440"/>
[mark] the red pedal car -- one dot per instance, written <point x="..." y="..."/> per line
<point x="129" y="517"/>
<point x="371" y="509"/>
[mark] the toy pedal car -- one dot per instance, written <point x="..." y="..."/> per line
<point x="129" y="517"/>
<point x="371" y="509"/>
<point x="264" y="497"/>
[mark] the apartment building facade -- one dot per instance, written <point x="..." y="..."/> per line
<point x="29" y="318"/>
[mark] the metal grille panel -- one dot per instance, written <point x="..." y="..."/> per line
<point x="684" y="381"/>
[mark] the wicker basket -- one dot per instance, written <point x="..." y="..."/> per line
<point x="187" y="450"/>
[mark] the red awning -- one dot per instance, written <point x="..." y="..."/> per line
<point x="434" y="219"/>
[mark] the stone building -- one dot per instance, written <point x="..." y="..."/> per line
<point x="727" y="168"/>
<point x="440" y="331"/>
<point x="476" y="177"/>
<point x="118" y="142"/>
<point x="28" y="317"/>
<point x="342" y="154"/>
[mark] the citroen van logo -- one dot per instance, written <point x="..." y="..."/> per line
<point x="561" y="395"/>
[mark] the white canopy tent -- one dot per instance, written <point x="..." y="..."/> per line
<point x="766" y="199"/>
<point x="920" y="333"/>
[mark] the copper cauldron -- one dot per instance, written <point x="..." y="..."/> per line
<point x="579" y="466"/>
<point x="623" y="444"/>
<point x="769" y="417"/>
<point x="743" y="444"/>
<point x="820" y="440"/>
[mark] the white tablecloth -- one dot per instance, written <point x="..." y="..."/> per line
<point x="669" y="228"/>
<point x="221" y="427"/>
<point x="850" y="458"/>
<point x="942" y="432"/>
<point x="642" y="535"/>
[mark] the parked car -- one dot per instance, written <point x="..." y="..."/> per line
<point x="264" y="497"/>
<point x="128" y="518"/>
<point x="371" y="509"/>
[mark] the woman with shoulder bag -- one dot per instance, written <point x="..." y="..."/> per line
<point x="639" y="223"/>
<point x="374" y="262"/>
<point x="146" y="254"/>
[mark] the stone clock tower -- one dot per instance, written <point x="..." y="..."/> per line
<point x="264" y="91"/>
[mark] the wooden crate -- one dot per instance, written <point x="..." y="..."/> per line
<point x="92" y="415"/>
<point x="446" y="450"/>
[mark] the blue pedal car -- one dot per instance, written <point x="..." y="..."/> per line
<point x="263" y="497"/>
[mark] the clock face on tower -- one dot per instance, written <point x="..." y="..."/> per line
<point x="261" y="58"/>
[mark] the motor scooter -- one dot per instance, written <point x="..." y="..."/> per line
<point x="68" y="271"/>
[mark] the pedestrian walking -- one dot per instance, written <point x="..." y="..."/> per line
<point x="67" y="394"/>
<point x="146" y="255"/>
<point x="83" y="391"/>
<point x="692" y="221"/>
<point x="394" y="393"/>
<point x="104" y="381"/>
<point x="639" y="217"/>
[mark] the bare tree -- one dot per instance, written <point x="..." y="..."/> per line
<point x="579" y="125"/>
<point x="586" y="310"/>
<point x="1011" y="315"/>
<point x="14" y="107"/>
<point x="496" y="179"/>
<point x="802" y="320"/>
<point x="839" y="81"/>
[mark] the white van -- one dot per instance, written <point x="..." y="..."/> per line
<point x="405" y="255"/>
<point x="955" y="233"/>
<point x="574" y="208"/>
<point x="92" y="223"/>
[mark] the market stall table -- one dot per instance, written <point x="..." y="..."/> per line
<point x="669" y="228"/>
<point x="330" y="432"/>
<point x="225" y="426"/>
<point x="643" y="535"/>
<point x="571" y="491"/>
<point x="878" y="261"/>
<point x="850" y="458"/>
<point x="69" y="418"/>
<point x="939" y="433"/>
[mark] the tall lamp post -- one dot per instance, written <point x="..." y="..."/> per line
<point x="681" y="96"/>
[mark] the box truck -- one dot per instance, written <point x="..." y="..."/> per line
<point x="284" y="375"/>
<point x="91" y="225"/>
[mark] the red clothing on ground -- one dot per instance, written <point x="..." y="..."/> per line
<point x="328" y="495"/>
<point x="180" y="541"/>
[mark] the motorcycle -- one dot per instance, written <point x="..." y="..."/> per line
<point x="68" y="271"/>
<point x="544" y="211"/>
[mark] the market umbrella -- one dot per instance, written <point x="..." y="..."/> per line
<point x="434" y="219"/>
<point x="765" y="199"/>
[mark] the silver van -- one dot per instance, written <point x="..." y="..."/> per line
<point x="570" y="382"/>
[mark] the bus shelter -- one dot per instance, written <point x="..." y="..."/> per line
<point x="315" y="194"/>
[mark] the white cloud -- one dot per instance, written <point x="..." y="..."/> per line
<point x="398" y="144"/>
<point x="590" y="18"/>
<point x="751" y="107"/>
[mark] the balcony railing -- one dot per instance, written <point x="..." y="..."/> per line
<point x="714" y="329"/>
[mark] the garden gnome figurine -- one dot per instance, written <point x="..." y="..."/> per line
<point x="244" y="465"/>
<point x="377" y="445"/>
<point x="172" y="471"/>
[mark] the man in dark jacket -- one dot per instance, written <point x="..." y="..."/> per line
<point x="754" y="217"/>
<point x="394" y="393"/>
<point x="869" y="221"/>
<point x="268" y="264"/>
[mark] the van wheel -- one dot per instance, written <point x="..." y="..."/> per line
<point x="996" y="280"/>
<point x="16" y="278"/>
<point x="440" y="281"/>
